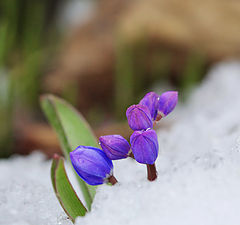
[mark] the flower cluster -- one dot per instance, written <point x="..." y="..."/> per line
<point x="141" y="118"/>
<point x="94" y="165"/>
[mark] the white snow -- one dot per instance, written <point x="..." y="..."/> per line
<point x="198" y="171"/>
<point x="26" y="194"/>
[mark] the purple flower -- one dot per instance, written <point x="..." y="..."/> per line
<point x="115" y="146"/>
<point x="139" y="117"/>
<point x="144" y="146"/>
<point x="91" y="164"/>
<point x="167" y="102"/>
<point x="151" y="100"/>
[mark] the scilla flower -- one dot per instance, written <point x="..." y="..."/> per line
<point x="144" y="146"/>
<point x="151" y="100"/>
<point x="139" y="117"/>
<point x="167" y="102"/>
<point x="92" y="165"/>
<point x="115" y="146"/>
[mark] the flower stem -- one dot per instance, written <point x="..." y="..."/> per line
<point x="112" y="180"/>
<point x="158" y="117"/>
<point x="131" y="155"/>
<point x="152" y="172"/>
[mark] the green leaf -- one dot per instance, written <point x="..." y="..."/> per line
<point x="72" y="130"/>
<point x="64" y="190"/>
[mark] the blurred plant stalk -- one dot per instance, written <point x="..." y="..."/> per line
<point x="23" y="48"/>
<point x="6" y="133"/>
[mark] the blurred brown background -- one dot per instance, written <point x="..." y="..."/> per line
<point x="102" y="56"/>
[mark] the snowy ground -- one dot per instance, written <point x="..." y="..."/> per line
<point x="198" y="171"/>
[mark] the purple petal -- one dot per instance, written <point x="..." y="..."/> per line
<point x="151" y="100"/>
<point x="167" y="102"/>
<point x="115" y="146"/>
<point x="91" y="164"/>
<point x="144" y="146"/>
<point x="139" y="117"/>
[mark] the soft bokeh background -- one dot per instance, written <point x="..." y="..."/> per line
<point x="102" y="56"/>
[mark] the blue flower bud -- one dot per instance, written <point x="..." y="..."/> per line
<point x="139" y="117"/>
<point x="151" y="100"/>
<point x="144" y="146"/>
<point x="167" y="102"/>
<point x="115" y="146"/>
<point x="91" y="164"/>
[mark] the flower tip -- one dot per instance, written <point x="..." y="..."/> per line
<point x="103" y="138"/>
<point x="174" y="94"/>
<point x="151" y="100"/>
<point x="170" y="94"/>
<point x="71" y="153"/>
<point x="167" y="102"/>
<point x="100" y="139"/>
<point x="91" y="164"/>
<point x="139" y="117"/>
<point x="144" y="146"/>
<point x="114" y="146"/>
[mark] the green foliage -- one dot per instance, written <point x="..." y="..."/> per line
<point x="24" y="35"/>
<point x="124" y="79"/>
<point x="72" y="131"/>
<point x="64" y="190"/>
<point x="192" y="72"/>
<point x="6" y="134"/>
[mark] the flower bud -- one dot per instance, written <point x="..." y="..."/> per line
<point x="167" y="102"/>
<point x="115" y="146"/>
<point x="91" y="164"/>
<point x="139" y="117"/>
<point x="144" y="146"/>
<point x="151" y="100"/>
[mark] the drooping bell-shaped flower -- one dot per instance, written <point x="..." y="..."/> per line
<point x="151" y="100"/>
<point x="144" y="146"/>
<point x="167" y="102"/>
<point x="139" y="117"/>
<point x="91" y="164"/>
<point x="115" y="146"/>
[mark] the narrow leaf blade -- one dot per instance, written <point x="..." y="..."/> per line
<point x="72" y="130"/>
<point x="64" y="190"/>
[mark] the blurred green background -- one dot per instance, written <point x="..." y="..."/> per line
<point x="102" y="56"/>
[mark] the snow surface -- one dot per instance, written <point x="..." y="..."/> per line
<point x="198" y="171"/>
<point x="26" y="195"/>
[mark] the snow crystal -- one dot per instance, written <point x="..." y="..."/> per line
<point x="198" y="171"/>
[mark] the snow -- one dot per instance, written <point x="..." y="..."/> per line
<point x="26" y="195"/>
<point x="198" y="170"/>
